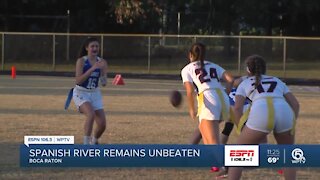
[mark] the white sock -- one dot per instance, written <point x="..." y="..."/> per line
<point x="86" y="139"/>
<point x="94" y="140"/>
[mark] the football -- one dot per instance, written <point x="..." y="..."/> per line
<point x="175" y="98"/>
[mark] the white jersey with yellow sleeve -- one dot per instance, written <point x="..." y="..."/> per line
<point x="213" y="102"/>
<point x="269" y="110"/>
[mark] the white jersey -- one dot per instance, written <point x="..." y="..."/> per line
<point x="207" y="79"/>
<point x="269" y="110"/>
<point x="269" y="87"/>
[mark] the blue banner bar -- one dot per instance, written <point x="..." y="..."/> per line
<point x="169" y="155"/>
<point x="121" y="156"/>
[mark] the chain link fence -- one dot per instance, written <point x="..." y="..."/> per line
<point x="296" y="57"/>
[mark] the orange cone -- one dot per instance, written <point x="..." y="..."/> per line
<point x="115" y="79"/>
<point x="118" y="80"/>
<point x="13" y="72"/>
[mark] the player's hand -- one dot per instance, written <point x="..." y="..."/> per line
<point x="103" y="81"/>
<point x="99" y="64"/>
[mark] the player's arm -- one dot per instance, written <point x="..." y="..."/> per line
<point x="80" y="76"/>
<point x="237" y="82"/>
<point x="190" y="98"/>
<point x="238" y="108"/>
<point x="228" y="78"/>
<point x="104" y="71"/>
<point x="293" y="102"/>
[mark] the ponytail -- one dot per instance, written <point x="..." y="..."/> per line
<point x="198" y="50"/>
<point x="257" y="67"/>
<point x="257" y="74"/>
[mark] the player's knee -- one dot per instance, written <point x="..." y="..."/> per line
<point x="227" y="128"/>
<point x="90" y="116"/>
<point x="101" y="122"/>
<point x="102" y="125"/>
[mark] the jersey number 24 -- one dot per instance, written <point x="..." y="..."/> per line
<point x="204" y="75"/>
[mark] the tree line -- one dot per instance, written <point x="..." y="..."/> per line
<point x="210" y="17"/>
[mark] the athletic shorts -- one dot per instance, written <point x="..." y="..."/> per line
<point x="82" y="95"/>
<point x="282" y="118"/>
<point x="211" y="107"/>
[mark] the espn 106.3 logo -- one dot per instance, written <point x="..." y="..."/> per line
<point x="241" y="155"/>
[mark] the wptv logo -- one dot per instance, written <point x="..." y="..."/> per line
<point x="241" y="155"/>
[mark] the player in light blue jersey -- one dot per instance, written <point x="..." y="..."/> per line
<point x="90" y="69"/>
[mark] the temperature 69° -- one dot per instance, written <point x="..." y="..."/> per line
<point x="273" y="160"/>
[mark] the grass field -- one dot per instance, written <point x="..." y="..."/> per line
<point x="309" y="70"/>
<point x="138" y="112"/>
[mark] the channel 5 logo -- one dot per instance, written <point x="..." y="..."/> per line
<point x="241" y="155"/>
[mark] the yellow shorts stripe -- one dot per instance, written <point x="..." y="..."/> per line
<point x="232" y="117"/>
<point x="225" y="114"/>
<point x="200" y="103"/>
<point x="243" y="120"/>
<point x="270" y="124"/>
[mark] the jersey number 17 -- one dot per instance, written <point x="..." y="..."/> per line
<point x="271" y="86"/>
